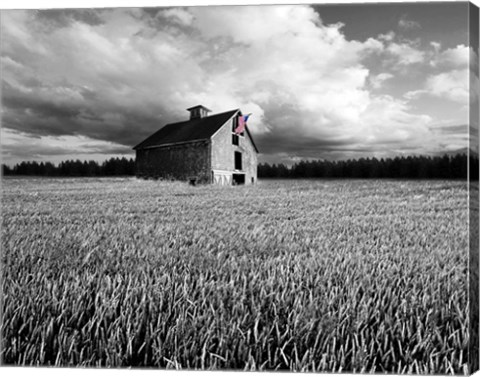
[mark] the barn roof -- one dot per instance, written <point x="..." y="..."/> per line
<point x="193" y="129"/>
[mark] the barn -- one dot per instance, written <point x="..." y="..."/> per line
<point x="206" y="148"/>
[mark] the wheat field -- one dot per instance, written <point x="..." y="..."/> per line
<point x="353" y="275"/>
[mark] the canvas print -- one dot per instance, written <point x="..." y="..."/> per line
<point x="253" y="188"/>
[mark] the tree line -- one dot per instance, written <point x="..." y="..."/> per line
<point x="411" y="167"/>
<point x="74" y="168"/>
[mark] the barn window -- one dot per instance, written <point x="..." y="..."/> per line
<point x="238" y="161"/>
<point x="235" y="139"/>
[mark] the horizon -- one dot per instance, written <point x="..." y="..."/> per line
<point x="465" y="152"/>
<point x="333" y="81"/>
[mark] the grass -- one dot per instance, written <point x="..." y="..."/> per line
<point x="362" y="276"/>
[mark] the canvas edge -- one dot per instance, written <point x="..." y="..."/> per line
<point x="473" y="169"/>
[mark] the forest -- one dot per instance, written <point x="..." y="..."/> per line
<point x="411" y="167"/>
<point x="74" y="168"/>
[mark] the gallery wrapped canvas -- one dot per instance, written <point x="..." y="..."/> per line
<point x="247" y="188"/>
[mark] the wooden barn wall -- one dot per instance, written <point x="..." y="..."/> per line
<point x="223" y="153"/>
<point x="183" y="161"/>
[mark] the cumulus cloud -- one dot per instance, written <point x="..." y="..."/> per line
<point x="405" y="24"/>
<point x="378" y="80"/>
<point x="452" y="80"/>
<point x="458" y="57"/>
<point x="117" y="75"/>
<point x="405" y="53"/>
<point x="436" y="46"/>
<point x="390" y="36"/>
<point x="397" y="53"/>
<point x="452" y="85"/>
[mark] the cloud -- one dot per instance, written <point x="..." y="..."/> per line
<point x="436" y="46"/>
<point x="58" y="18"/>
<point x="452" y="80"/>
<point x="390" y="36"/>
<point x="399" y="53"/>
<point x="377" y="81"/>
<point x="452" y="85"/>
<point x="118" y="75"/>
<point x="56" y="148"/>
<point x="458" y="57"/>
<point x="407" y="25"/>
<point x="405" y="53"/>
<point x="450" y="137"/>
<point x="454" y="129"/>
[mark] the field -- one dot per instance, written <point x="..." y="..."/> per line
<point x="289" y="275"/>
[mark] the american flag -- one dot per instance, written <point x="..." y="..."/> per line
<point x="242" y="122"/>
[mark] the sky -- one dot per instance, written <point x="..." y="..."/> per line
<point x="321" y="81"/>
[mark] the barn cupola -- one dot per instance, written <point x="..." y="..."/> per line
<point x="198" y="112"/>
